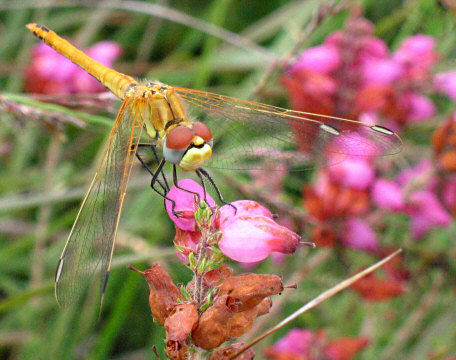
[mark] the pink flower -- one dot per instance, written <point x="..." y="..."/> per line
<point x="417" y="50"/>
<point x="322" y="59"/>
<point x="359" y="235"/>
<point x="414" y="173"/>
<point x="380" y="72"/>
<point x="373" y="48"/>
<point x="419" y="106"/>
<point x="355" y="172"/>
<point x="387" y="195"/>
<point x="252" y="234"/>
<point x="297" y="341"/>
<point x="449" y="193"/>
<point x="52" y="73"/>
<point x="445" y="83"/>
<point x="186" y="204"/>
<point x="426" y="212"/>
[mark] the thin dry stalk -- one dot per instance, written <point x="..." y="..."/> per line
<point x="318" y="300"/>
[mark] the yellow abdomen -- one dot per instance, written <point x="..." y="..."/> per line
<point x="115" y="81"/>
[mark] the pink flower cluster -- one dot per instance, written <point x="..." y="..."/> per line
<point x="301" y="344"/>
<point x="345" y="194"/>
<point x="353" y="73"/>
<point x="51" y="73"/>
<point x="414" y="192"/>
<point x="248" y="234"/>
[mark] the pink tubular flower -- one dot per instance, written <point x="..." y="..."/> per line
<point x="426" y="212"/>
<point x="51" y="73"/>
<point x="186" y="204"/>
<point x="380" y="72"/>
<point x="419" y="107"/>
<point x="251" y="235"/>
<point x="359" y="235"/>
<point x="355" y="172"/>
<point x="297" y="341"/>
<point x="417" y="50"/>
<point x="322" y="59"/>
<point x="387" y="194"/>
<point x="445" y="83"/>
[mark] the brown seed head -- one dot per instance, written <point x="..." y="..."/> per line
<point x="180" y="322"/>
<point x="250" y="289"/>
<point x="226" y="352"/>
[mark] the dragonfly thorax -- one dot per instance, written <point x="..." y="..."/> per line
<point x="185" y="143"/>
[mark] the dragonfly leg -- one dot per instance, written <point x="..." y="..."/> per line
<point x="203" y="172"/>
<point x="163" y="185"/>
<point x="203" y="185"/>
<point x="163" y="195"/>
<point x="198" y="198"/>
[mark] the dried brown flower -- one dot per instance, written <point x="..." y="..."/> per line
<point x="250" y="289"/>
<point x="180" y="322"/>
<point x="226" y="352"/>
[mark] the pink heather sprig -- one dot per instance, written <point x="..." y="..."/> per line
<point x="248" y="234"/>
<point x="353" y="73"/>
<point x="51" y="73"/>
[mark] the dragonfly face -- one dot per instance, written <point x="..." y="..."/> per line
<point x="185" y="143"/>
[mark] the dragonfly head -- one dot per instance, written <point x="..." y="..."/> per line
<point x="188" y="146"/>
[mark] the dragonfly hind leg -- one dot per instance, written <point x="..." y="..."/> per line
<point x="201" y="172"/>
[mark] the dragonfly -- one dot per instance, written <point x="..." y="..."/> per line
<point x="194" y="130"/>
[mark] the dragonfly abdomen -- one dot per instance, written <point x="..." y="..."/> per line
<point x="117" y="82"/>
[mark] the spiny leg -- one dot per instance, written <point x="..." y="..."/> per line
<point x="203" y="185"/>
<point x="153" y="182"/>
<point x="203" y="172"/>
<point x="152" y="172"/>
<point x="198" y="198"/>
<point x="157" y="159"/>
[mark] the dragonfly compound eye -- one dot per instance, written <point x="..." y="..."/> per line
<point x="179" y="138"/>
<point x="202" y="131"/>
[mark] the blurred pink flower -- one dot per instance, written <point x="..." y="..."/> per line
<point x="445" y="83"/>
<point x="300" y="344"/>
<point x="51" y="73"/>
<point x="426" y="212"/>
<point x="380" y="72"/>
<point x="252" y="235"/>
<point x="359" y="235"/>
<point x="419" y="107"/>
<point x="186" y="204"/>
<point x="417" y="51"/>
<point x="297" y="341"/>
<point x="322" y="59"/>
<point x="449" y="194"/>
<point x="354" y="172"/>
<point x="387" y="194"/>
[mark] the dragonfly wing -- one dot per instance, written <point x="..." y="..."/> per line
<point x="87" y="254"/>
<point x="246" y="132"/>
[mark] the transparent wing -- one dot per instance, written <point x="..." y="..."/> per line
<point x="246" y="132"/>
<point x="87" y="254"/>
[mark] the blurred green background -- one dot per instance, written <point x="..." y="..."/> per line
<point x="224" y="46"/>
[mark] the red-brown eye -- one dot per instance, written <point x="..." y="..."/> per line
<point x="202" y="131"/>
<point x="179" y="138"/>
